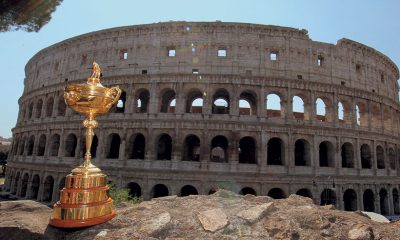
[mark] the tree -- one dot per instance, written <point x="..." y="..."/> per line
<point x="3" y="161"/>
<point x="27" y="15"/>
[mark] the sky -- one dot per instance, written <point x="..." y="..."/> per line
<point x="373" y="23"/>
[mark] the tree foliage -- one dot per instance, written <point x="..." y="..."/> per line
<point x="27" y="15"/>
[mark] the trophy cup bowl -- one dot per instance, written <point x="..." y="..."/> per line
<point x="84" y="201"/>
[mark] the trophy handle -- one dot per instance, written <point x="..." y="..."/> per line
<point x="115" y="94"/>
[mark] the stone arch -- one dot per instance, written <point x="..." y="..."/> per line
<point x="248" y="190"/>
<point x="365" y="153"/>
<point x="298" y="108"/>
<point x="276" y="193"/>
<point x="191" y="148"/>
<point x="142" y="101"/>
<point x="61" y="184"/>
<point x="305" y="192"/>
<point x="369" y="200"/>
<point x="248" y="103"/>
<point x="120" y="106"/>
<point x="302" y="153"/>
<point x="137" y="146"/>
<point x="188" y="190"/>
<point x="328" y="197"/>
<point x="16" y="181"/>
<point x="392" y="159"/>
<point x="114" y="142"/>
<point x="70" y="145"/>
<point x="31" y="145"/>
<point x="361" y="114"/>
<point x="380" y="157"/>
<point x="347" y="153"/>
<point x="168" y="97"/>
<point x="396" y="207"/>
<point x="134" y="189"/>
<point x="350" y="200"/>
<point x="159" y="190"/>
<point x="24" y="185"/>
<point x="30" y="110"/>
<point x="341" y="112"/>
<point x="61" y="107"/>
<point x="49" y="106"/>
<point x="42" y="145"/>
<point x="35" y="187"/>
<point x="22" y="146"/>
<point x="247" y="150"/>
<point x="220" y="102"/>
<point x="321" y="110"/>
<point x="164" y="147"/>
<point x="275" y="151"/>
<point x="326" y="154"/>
<point x="39" y="106"/>
<point x="48" y="189"/>
<point x="273" y="104"/>
<point x="194" y="101"/>
<point x="219" y="149"/>
<point x="54" y="145"/>
<point x="384" y="201"/>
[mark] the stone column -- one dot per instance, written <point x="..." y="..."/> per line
<point x="287" y="105"/>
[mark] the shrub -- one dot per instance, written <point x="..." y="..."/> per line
<point x="120" y="195"/>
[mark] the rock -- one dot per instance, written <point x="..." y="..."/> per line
<point x="157" y="224"/>
<point x="361" y="232"/>
<point x="255" y="213"/>
<point x="213" y="220"/>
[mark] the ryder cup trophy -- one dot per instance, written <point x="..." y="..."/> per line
<point x="85" y="201"/>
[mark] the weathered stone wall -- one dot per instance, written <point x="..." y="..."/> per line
<point x="332" y="158"/>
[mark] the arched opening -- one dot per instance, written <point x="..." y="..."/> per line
<point x="392" y="159"/>
<point x="49" y="107"/>
<point x="188" y="190"/>
<point x="304" y="192"/>
<point x="191" y="148"/>
<point x="275" y="152"/>
<point x="137" y="145"/>
<point x="276" y="193"/>
<point x="247" y="150"/>
<point x="320" y="110"/>
<point x="39" y="106"/>
<point x="361" y="115"/>
<point x="142" y="101"/>
<point x="114" y="141"/>
<point x="347" y="154"/>
<point x="120" y="107"/>
<point x="383" y="201"/>
<point x="350" y="200"/>
<point x="164" y="147"/>
<point x="380" y="157"/>
<point x="31" y="144"/>
<point x="22" y="146"/>
<point x="16" y="181"/>
<point x="24" y="185"/>
<point x="298" y="108"/>
<point x="365" y="152"/>
<point x="302" y="153"/>
<point x="248" y="190"/>
<point x="42" y="145"/>
<point x="30" y="110"/>
<point x="61" y="107"/>
<point x="54" y="145"/>
<point x="273" y="105"/>
<point x="35" y="187"/>
<point x="168" y="101"/>
<point x="369" y="200"/>
<point x="247" y="103"/>
<point x="328" y="197"/>
<point x="159" y="190"/>
<point x="134" y="189"/>
<point x="396" y="207"/>
<point x="70" y="145"/>
<point x="194" y="102"/>
<point x="219" y="149"/>
<point x="221" y="102"/>
<point x="340" y="112"/>
<point x="326" y="154"/>
<point x="48" y="189"/>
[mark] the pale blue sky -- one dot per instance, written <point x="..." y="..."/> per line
<point x="371" y="22"/>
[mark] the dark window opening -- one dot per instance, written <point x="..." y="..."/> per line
<point x="304" y="192"/>
<point x="365" y="152"/>
<point x="137" y="145"/>
<point x="134" y="189"/>
<point x="320" y="61"/>
<point x="219" y="149"/>
<point x="195" y="71"/>
<point x="328" y="197"/>
<point x="302" y="153"/>
<point x="380" y="157"/>
<point x="220" y="102"/>
<point x="70" y="145"/>
<point x="142" y="101"/>
<point x="120" y="107"/>
<point x="35" y="187"/>
<point x="383" y="201"/>
<point x="326" y="154"/>
<point x="62" y="107"/>
<point x="275" y="152"/>
<point x="24" y="185"/>
<point x="144" y="71"/>
<point x="114" y="141"/>
<point x="276" y="193"/>
<point x="188" y="190"/>
<point x="159" y="190"/>
<point x="347" y="154"/>
<point x="247" y="150"/>
<point x="164" y="147"/>
<point x="49" y="107"/>
<point x="248" y="190"/>
<point x="48" y="189"/>
<point x="194" y="102"/>
<point x="42" y="145"/>
<point x="31" y="144"/>
<point x="247" y="104"/>
<point x="191" y="148"/>
<point x="369" y="201"/>
<point x="168" y="102"/>
<point x="39" y="106"/>
<point x="350" y="200"/>
<point x="54" y="145"/>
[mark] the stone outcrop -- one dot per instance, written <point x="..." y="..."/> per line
<point x="223" y="215"/>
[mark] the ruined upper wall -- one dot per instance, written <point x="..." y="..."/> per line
<point x="248" y="51"/>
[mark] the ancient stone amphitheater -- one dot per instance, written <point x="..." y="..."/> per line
<point x="252" y="108"/>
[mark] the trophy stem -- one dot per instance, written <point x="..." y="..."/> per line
<point x="89" y="140"/>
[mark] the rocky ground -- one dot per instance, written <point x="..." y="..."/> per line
<point x="223" y="215"/>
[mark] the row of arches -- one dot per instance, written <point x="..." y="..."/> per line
<point x="220" y="150"/>
<point x="275" y="104"/>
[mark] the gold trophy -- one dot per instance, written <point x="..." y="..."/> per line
<point x="85" y="201"/>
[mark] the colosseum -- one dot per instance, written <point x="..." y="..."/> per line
<point x="256" y="109"/>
